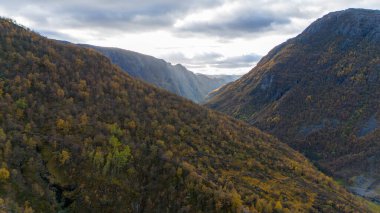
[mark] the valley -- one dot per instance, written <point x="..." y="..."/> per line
<point x="96" y="128"/>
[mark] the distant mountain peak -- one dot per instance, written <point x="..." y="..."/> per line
<point x="349" y="23"/>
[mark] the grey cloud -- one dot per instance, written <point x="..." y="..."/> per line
<point x="252" y="18"/>
<point x="202" y="58"/>
<point x="207" y="57"/>
<point x="133" y="16"/>
<point x="239" y="61"/>
<point x="237" y="25"/>
<point x="115" y="16"/>
<point x="58" y="36"/>
<point x="214" y="60"/>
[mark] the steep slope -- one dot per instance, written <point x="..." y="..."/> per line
<point x="78" y="134"/>
<point x="320" y="93"/>
<point x="176" y="79"/>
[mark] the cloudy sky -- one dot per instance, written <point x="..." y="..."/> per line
<point x="208" y="36"/>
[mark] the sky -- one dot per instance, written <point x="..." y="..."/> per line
<point x="206" y="36"/>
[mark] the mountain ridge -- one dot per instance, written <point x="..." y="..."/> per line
<point x="174" y="78"/>
<point x="319" y="93"/>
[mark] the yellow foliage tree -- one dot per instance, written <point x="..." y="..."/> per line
<point x="60" y="93"/>
<point x="278" y="207"/>
<point x="28" y="208"/>
<point x="64" y="156"/>
<point x="3" y="136"/>
<point x="83" y="119"/>
<point x="4" y="174"/>
<point x="60" y="123"/>
<point x="236" y="200"/>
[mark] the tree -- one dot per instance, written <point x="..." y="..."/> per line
<point x="4" y="174"/>
<point x="268" y="208"/>
<point x="60" y="93"/>
<point x="3" y="136"/>
<point x="21" y="103"/>
<point x="107" y="166"/>
<point x="64" y="156"/>
<point x="236" y="200"/>
<point x="278" y="207"/>
<point x="114" y="141"/>
<point x="98" y="158"/>
<point x="83" y="119"/>
<point x="121" y="158"/>
<point x="131" y="125"/>
<point x="7" y="149"/>
<point x="260" y="204"/>
<point x="27" y="208"/>
<point x="115" y="129"/>
<point x="62" y="125"/>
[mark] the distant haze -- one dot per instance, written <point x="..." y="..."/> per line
<point x="210" y="36"/>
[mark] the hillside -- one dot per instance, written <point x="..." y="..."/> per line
<point x="79" y="135"/>
<point x="174" y="78"/>
<point x="320" y="93"/>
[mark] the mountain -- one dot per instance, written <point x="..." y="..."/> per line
<point x="320" y="93"/>
<point x="176" y="79"/>
<point x="77" y="134"/>
<point x="225" y="78"/>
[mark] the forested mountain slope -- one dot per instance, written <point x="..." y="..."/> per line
<point x="78" y="134"/>
<point x="174" y="78"/>
<point x="320" y="93"/>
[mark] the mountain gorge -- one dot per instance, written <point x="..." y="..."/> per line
<point x="320" y="93"/>
<point x="174" y="78"/>
<point x="78" y="134"/>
